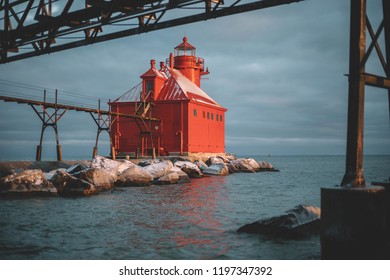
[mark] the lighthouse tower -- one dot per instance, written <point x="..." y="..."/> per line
<point x="187" y="63"/>
<point x="186" y="120"/>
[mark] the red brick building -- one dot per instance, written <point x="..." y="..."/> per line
<point x="189" y="120"/>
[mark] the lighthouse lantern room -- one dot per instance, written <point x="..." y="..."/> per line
<point x="181" y="117"/>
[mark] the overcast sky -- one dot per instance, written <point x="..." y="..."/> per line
<point x="278" y="71"/>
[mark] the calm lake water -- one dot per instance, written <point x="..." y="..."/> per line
<point x="197" y="220"/>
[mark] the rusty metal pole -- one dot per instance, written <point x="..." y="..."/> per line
<point x="38" y="155"/>
<point x="353" y="217"/>
<point x="354" y="160"/>
<point x="386" y="20"/>
<point x="95" y="149"/>
<point x="112" y="146"/>
<point x="59" y="148"/>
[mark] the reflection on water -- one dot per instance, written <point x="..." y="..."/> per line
<point x="197" y="220"/>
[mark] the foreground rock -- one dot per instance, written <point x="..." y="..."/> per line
<point x="28" y="182"/>
<point x="134" y="176"/>
<point x="191" y="169"/>
<point x="125" y="164"/>
<point x="100" y="178"/>
<point x="218" y="169"/>
<point x="76" y="168"/>
<point x="68" y="185"/>
<point x="300" y="221"/>
<point x="266" y="166"/>
<point x="148" y="162"/>
<point x="159" y="169"/>
<point x="111" y="166"/>
<point x="214" y="160"/>
<point x="168" y="179"/>
<point x="201" y="165"/>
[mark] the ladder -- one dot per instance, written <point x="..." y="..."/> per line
<point x="145" y="131"/>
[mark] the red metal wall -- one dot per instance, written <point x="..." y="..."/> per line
<point x="206" y="129"/>
<point x="202" y="131"/>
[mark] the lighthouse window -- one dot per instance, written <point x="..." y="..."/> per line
<point x="195" y="112"/>
<point x="149" y="86"/>
<point x="220" y="117"/>
<point x="212" y="116"/>
<point x="204" y="114"/>
<point x="217" y="118"/>
<point x="208" y="115"/>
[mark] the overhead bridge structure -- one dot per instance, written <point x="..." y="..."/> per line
<point x="32" y="28"/>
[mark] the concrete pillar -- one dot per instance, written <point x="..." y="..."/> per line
<point x="353" y="223"/>
<point x="94" y="152"/>
<point x="113" y="153"/>
<point x="39" y="153"/>
<point x="59" y="153"/>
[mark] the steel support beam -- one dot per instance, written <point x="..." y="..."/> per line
<point x="386" y="20"/>
<point x="37" y="34"/>
<point x="354" y="159"/>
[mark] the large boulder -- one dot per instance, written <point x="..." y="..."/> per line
<point x="168" y="179"/>
<point x="246" y="165"/>
<point x="134" y="176"/>
<point x="191" y="169"/>
<point x="111" y="166"/>
<point x="214" y="160"/>
<point x="76" y="168"/>
<point x="98" y="177"/>
<point x="183" y="177"/>
<point x="148" y="162"/>
<point x="233" y="168"/>
<point x="50" y="174"/>
<point x="30" y="182"/>
<point x="68" y="185"/>
<point x="159" y="169"/>
<point x="201" y="165"/>
<point x="123" y="165"/>
<point x="266" y="166"/>
<point x="219" y="169"/>
<point x="300" y="221"/>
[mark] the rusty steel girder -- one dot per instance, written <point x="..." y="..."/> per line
<point x="31" y="28"/>
<point x="358" y="79"/>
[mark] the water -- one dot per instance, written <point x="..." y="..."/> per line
<point x="189" y="221"/>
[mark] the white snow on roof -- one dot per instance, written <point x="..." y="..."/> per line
<point x="189" y="88"/>
<point x="176" y="87"/>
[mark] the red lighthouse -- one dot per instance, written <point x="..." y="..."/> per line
<point x="186" y="120"/>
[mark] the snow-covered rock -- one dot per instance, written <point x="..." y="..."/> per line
<point x="100" y="178"/>
<point x="233" y="168"/>
<point x="168" y="179"/>
<point x="201" y="165"/>
<point x="298" y="221"/>
<point x="246" y="165"/>
<point x="76" y="168"/>
<point x="159" y="169"/>
<point x="148" y="162"/>
<point x="68" y="185"/>
<point x="134" y="176"/>
<point x="191" y="169"/>
<point x="266" y="166"/>
<point x="214" y="160"/>
<point x="111" y="166"/>
<point x="50" y="174"/>
<point x="219" y="169"/>
<point x="125" y="164"/>
<point x="27" y="182"/>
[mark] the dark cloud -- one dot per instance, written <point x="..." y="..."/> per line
<point x="279" y="71"/>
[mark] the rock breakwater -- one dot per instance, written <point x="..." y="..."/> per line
<point x="86" y="178"/>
